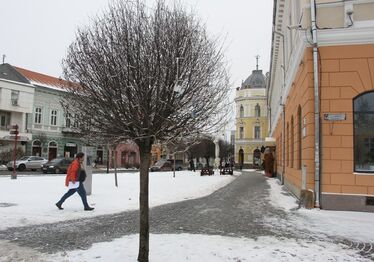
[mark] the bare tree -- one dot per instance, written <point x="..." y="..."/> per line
<point x="146" y="74"/>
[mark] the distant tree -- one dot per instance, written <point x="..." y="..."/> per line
<point x="205" y="148"/>
<point x="226" y="150"/>
<point x="146" y="74"/>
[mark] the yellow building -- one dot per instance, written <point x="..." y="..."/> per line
<point x="251" y="120"/>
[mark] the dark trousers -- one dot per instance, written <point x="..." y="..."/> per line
<point x="81" y="191"/>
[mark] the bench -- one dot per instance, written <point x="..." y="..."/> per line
<point x="226" y="171"/>
<point x="206" y="171"/>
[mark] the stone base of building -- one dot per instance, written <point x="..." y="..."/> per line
<point x="294" y="189"/>
<point x="347" y="202"/>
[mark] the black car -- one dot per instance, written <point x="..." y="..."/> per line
<point x="57" y="165"/>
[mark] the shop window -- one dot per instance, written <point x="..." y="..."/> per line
<point x="363" y="107"/>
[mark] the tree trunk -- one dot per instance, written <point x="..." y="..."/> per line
<point x="145" y="155"/>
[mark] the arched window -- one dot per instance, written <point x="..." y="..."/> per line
<point x="292" y="141"/>
<point x="363" y="107"/>
<point x="299" y="144"/>
<point x="52" y="144"/>
<point x="36" y="148"/>
<point x="241" y="111"/>
<point x="37" y="143"/>
<point x="257" y="110"/>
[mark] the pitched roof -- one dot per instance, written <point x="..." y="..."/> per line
<point x="43" y="80"/>
<point x="8" y="72"/>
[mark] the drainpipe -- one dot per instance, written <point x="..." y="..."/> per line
<point x="317" y="175"/>
<point x="283" y="142"/>
<point x="282" y="104"/>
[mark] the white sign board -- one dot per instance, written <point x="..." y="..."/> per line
<point x="334" y="117"/>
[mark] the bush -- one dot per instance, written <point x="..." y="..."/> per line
<point x="6" y="156"/>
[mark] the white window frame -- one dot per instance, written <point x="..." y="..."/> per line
<point x="68" y="120"/>
<point x="14" y="97"/>
<point x="54" y="113"/>
<point x="38" y="115"/>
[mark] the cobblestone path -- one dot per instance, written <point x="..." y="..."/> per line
<point x="240" y="209"/>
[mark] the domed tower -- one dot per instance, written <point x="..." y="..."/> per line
<point x="251" y="119"/>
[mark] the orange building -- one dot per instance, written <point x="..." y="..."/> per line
<point x="321" y="95"/>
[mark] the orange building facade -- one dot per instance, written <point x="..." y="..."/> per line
<point x="338" y="168"/>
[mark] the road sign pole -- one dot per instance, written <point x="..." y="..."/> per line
<point x="14" y="131"/>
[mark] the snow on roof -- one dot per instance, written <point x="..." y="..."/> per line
<point x="45" y="80"/>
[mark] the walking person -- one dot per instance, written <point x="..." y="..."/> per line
<point x="74" y="181"/>
<point x="192" y="165"/>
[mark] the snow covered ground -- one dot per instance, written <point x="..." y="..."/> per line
<point x="30" y="200"/>
<point x="34" y="199"/>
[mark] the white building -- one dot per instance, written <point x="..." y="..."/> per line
<point x="16" y="102"/>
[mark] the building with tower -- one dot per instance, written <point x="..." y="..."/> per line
<point x="251" y="120"/>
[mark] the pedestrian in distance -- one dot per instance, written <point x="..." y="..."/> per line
<point x="74" y="181"/>
<point x="192" y="165"/>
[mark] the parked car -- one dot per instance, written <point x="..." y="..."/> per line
<point x="199" y="165"/>
<point x="178" y="164"/>
<point x="27" y="162"/>
<point x="57" y="165"/>
<point x="162" y="165"/>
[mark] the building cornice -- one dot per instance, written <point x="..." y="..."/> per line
<point x="17" y="83"/>
<point x="360" y="33"/>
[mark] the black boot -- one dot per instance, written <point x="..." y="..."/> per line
<point x="59" y="206"/>
<point x="89" y="208"/>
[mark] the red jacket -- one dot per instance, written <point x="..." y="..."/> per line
<point x="72" y="174"/>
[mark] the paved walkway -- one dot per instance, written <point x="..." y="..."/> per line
<point x="240" y="209"/>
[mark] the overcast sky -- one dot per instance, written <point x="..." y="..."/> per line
<point x="35" y="34"/>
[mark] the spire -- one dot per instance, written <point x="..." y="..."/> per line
<point x="257" y="57"/>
